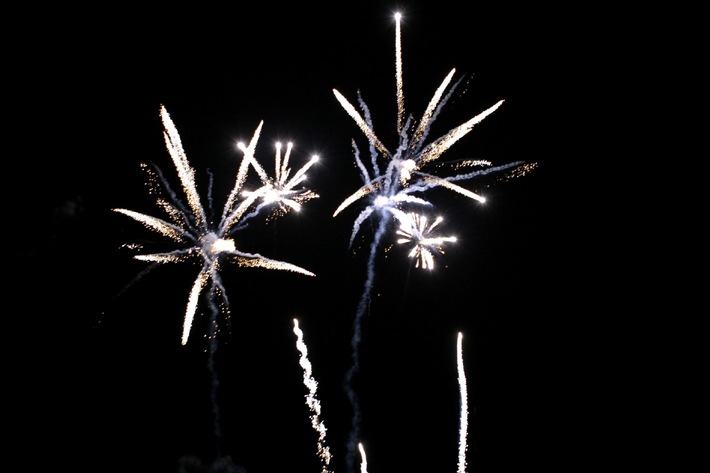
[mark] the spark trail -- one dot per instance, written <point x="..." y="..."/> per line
<point x="311" y="400"/>
<point x="186" y="223"/>
<point x="463" y="428"/>
<point x="363" y="463"/>
<point x="393" y="184"/>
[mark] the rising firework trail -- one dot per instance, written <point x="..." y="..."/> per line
<point x="312" y="400"/>
<point x="463" y="394"/>
<point x="186" y="223"/>
<point x="363" y="462"/>
<point x="393" y="184"/>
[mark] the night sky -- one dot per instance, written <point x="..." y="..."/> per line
<point x="102" y="382"/>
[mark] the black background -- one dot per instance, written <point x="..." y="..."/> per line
<point x="99" y="379"/>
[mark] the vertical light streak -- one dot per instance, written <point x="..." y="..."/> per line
<point x="363" y="463"/>
<point x="277" y="162"/>
<point x="463" y="426"/>
<point x="311" y="399"/>
<point x="398" y="75"/>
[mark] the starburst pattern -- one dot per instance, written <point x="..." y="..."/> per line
<point x="214" y="244"/>
<point x="280" y="193"/>
<point x="416" y="230"/>
<point x="393" y="177"/>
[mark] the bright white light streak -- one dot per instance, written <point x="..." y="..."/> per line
<point x="360" y="121"/>
<point x="398" y="74"/>
<point x="431" y="108"/>
<point x="437" y="148"/>
<point x="311" y="399"/>
<point x="463" y="429"/>
<point x="363" y="463"/>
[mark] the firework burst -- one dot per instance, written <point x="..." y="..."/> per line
<point x="418" y="232"/>
<point x="213" y="244"/>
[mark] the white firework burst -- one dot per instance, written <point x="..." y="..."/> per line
<point x="212" y="244"/>
<point x="280" y="193"/>
<point x="417" y="231"/>
<point x="394" y="177"/>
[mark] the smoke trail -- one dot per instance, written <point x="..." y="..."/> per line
<point x="362" y="307"/>
<point x="214" y="313"/>
<point x="463" y="429"/>
<point x="311" y="400"/>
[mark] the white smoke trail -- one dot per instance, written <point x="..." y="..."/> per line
<point x="311" y="399"/>
<point x="363" y="306"/>
<point x="463" y="429"/>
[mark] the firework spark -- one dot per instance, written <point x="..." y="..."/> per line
<point x="188" y="224"/>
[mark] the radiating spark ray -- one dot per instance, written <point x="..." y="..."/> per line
<point x="300" y="174"/>
<point x="398" y="71"/>
<point x="242" y="171"/>
<point x="431" y="108"/>
<point x="285" y="170"/>
<point x="361" y="122"/>
<point x="231" y="219"/>
<point x="192" y="301"/>
<point x="360" y="193"/>
<point x="311" y="399"/>
<point x="175" y="257"/>
<point x="438" y="147"/>
<point x="277" y="162"/>
<point x="185" y="171"/>
<point x="160" y="226"/>
<point x="257" y="261"/>
<point x="435" y="180"/>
